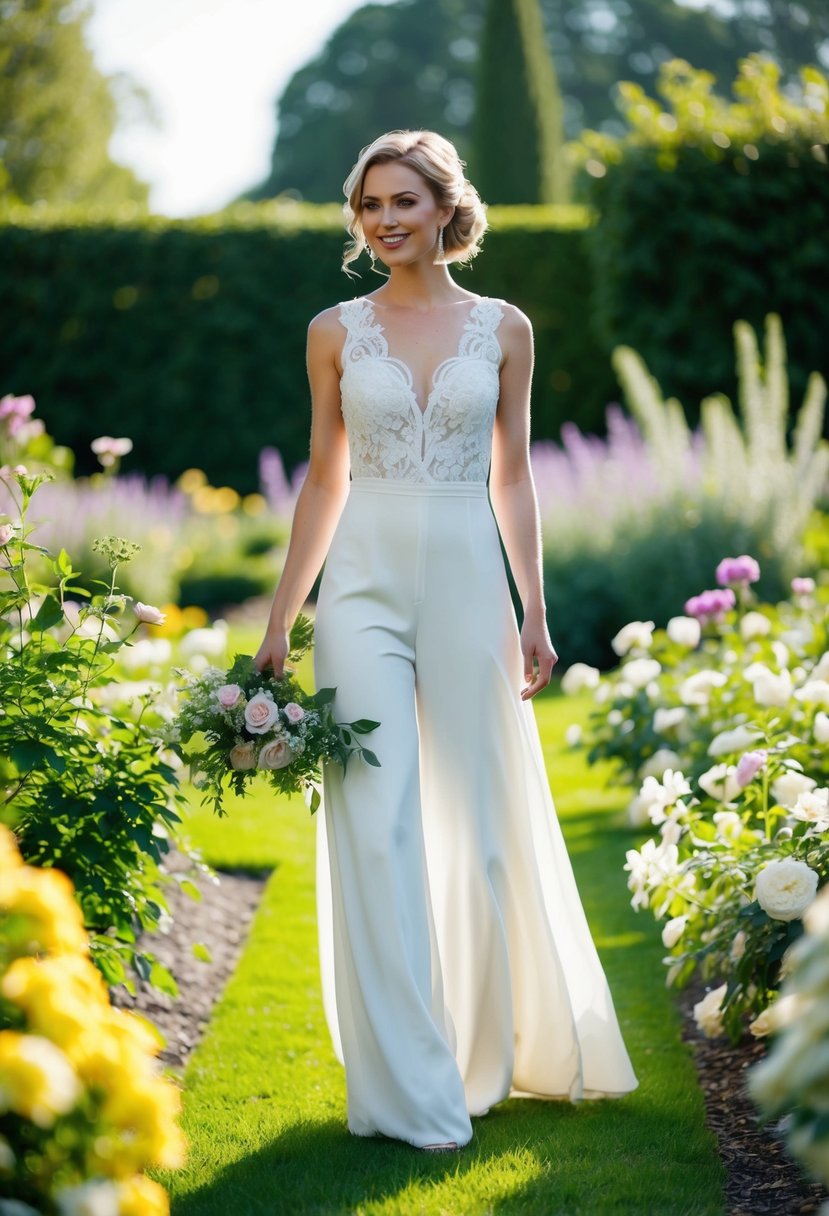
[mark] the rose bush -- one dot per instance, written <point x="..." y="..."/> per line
<point x="716" y="728"/>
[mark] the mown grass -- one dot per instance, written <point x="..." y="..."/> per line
<point x="265" y="1099"/>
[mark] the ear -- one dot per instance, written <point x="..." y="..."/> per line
<point x="446" y="215"/>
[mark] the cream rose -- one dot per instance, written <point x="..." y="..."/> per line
<point x="639" y="672"/>
<point x="773" y="690"/>
<point x="720" y="782"/>
<point x="276" y="754"/>
<point x="149" y="614"/>
<point x="578" y="677"/>
<point x="785" y="887"/>
<point x="737" y="739"/>
<point x="243" y="756"/>
<point x="708" y="1013"/>
<point x="260" y="713"/>
<point x="812" y="806"/>
<point x="635" y="635"/>
<point x="697" y="689"/>
<point x="684" y="630"/>
<point x="789" y="786"/>
<point x="754" y="625"/>
<point x="666" y="718"/>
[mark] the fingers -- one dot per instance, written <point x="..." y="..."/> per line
<point x="538" y="670"/>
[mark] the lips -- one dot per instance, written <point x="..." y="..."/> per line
<point x="394" y="241"/>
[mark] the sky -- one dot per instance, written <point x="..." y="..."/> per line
<point x="213" y="69"/>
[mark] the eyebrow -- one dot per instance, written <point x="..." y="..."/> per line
<point x="372" y="198"/>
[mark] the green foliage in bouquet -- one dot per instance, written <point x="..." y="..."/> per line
<point x="85" y="790"/>
<point x="247" y="722"/>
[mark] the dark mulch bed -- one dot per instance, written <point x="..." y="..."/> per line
<point x="762" y="1179"/>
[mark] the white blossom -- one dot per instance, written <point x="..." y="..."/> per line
<point x="754" y="625"/>
<point x="578" y="677"/>
<point x="636" y="635"/>
<point x="684" y="631"/>
<point x="697" y="688"/>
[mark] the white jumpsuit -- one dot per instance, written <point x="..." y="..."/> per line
<point x="457" y="964"/>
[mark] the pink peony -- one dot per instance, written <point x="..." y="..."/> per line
<point x="293" y="712"/>
<point x="750" y="764"/>
<point x="149" y="614"/>
<point x="803" y="586"/>
<point x="711" y="605"/>
<point x="228" y="695"/>
<point x="741" y="570"/>
<point x="260" y="714"/>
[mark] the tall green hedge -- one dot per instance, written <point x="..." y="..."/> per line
<point x="189" y="337"/>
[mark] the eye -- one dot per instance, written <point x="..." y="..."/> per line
<point x="407" y="202"/>
<point x="369" y="206"/>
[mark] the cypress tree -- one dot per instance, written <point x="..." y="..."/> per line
<point x="519" y="132"/>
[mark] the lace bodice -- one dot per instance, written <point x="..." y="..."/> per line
<point x="389" y="436"/>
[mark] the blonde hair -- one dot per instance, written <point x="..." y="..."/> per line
<point x="438" y="163"/>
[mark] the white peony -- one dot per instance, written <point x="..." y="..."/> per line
<point x="738" y="739"/>
<point x="720" y="782"/>
<point x="754" y="625"/>
<point x="636" y="635"/>
<point x="729" y="825"/>
<point x="656" y="764"/>
<point x="820" y="727"/>
<point x="785" y="887"/>
<point x="708" y="1013"/>
<point x="684" y="631"/>
<point x="816" y="691"/>
<point x="639" y="672"/>
<point x="665" y="719"/>
<point x="578" y="677"/>
<point x="773" y="690"/>
<point x="673" y="931"/>
<point x="697" y="688"/>
<point x="812" y="806"/>
<point x="789" y="786"/>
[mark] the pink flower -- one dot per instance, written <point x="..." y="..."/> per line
<point x="228" y="695"/>
<point x="6" y="533"/>
<point x="148" y="614"/>
<point x="243" y="757"/>
<point x="750" y="764"/>
<point x="14" y="411"/>
<point x="276" y="754"/>
<point x="710" y="605"/>
<point x="260" y="714"/>
<point x="803" y="586"/>
<point x="108" y="450"/>
<point x="293" y="712"/>
<point x="741" y="570"/>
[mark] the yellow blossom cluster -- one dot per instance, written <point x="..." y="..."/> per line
<point x="64" y="1049"/>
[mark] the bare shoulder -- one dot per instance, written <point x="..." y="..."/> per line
<point x="326" y="324"/>
<point x="515" y="333"/>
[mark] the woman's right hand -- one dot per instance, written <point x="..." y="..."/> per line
<point x="273" y="652"/>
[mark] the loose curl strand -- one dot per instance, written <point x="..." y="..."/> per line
<point x="438" y="163"/>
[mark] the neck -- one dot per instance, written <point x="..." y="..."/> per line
<point x="420" y="287"/>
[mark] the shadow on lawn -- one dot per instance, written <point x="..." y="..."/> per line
<point x="619" y="1156"/>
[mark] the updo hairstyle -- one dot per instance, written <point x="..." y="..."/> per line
<point x="438" y="163"/>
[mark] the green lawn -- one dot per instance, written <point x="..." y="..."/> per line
<point x="265" y="1098"/>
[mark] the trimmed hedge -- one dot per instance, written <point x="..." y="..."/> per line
<point x="190" y="336"/>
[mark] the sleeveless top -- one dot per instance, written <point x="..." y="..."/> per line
<point x="389" y="436"/>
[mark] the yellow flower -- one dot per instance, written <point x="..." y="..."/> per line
<point x="9" y="853"/>
<point x="139" y="1196"/>
<point x="36" y="1079"/>
<point x="45" y="898"/>
<point x="147" y="1107"/>
<point x="63" y="997"/>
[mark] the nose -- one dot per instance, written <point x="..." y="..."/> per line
<point x="389" y="218"/>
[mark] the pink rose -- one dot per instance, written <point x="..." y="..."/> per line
<point x="750" y="764"/>
<point x="6" y="533"/>
<point x="276" y="754"/>
<point x="148" y="614"/>
<point x="228" y="695"/>
<point x="260" y="714"/>
<point x="243" y="756"/>
<point x="293" y="712"/>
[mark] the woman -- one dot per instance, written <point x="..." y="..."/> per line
<point x="463" y="968"/>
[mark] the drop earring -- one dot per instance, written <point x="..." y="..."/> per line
<point x="440" y="256"/>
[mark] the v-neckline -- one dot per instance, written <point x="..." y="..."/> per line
<point x="407" y="371"/>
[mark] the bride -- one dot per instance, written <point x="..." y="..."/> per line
<point x="457" y="965"/>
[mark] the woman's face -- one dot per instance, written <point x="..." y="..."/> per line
<point x="399" y="214"/>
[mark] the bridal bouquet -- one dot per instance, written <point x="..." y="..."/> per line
<point x="248" y="723"/>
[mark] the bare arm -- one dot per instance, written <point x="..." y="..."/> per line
<point x="322" y="496"/>
<point x="514" y="502"/>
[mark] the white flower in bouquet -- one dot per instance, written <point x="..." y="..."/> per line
<point x="672" y="931"/>
<point x="729" y="825"/>
<point x="655" y="766"/>
<point x="275" y="754"/>
<point x="720" y="782"/>
<point x="814" y="691"/>
<point x="640" y="672"/>
<point x="785" y="887"/>
<point x="773" y="690"/>
<point x="708" y="1013"/>
<point x="697" y="688"/>
<point x="812" y="807"/>
<point x="667" y="718"/>
<point x="578" y="677"/>
<point x="261" y="712"/>
<point x="636" y="635"/>
<point x="788" y="787"/>
<point x="243" y="757"/>
<point x="293" y="712"/>
<point x="754" y="625"/>
<point x="820" y="727"/>
<point x="684" y="631"/>
<point x="737" y="739"/>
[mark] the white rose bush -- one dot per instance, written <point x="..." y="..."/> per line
<point x="247" y="723"/>
<point x="718" y="725"/>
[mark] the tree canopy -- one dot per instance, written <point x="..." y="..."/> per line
<point x="57" y="112"/>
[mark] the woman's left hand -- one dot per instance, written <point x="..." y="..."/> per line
<point x="539" y="656"/>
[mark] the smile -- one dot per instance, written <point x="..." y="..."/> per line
<point x="392" y="242"/>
